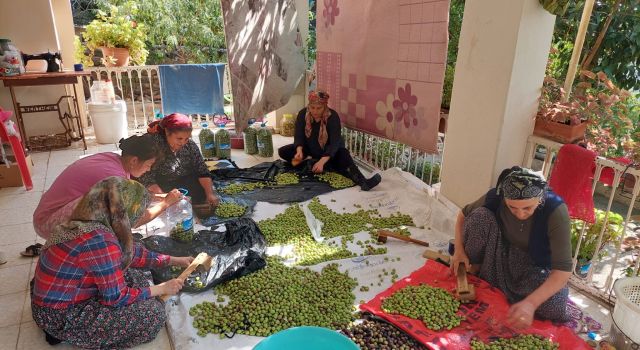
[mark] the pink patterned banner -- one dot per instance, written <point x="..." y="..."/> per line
<point x="383" y="63"/>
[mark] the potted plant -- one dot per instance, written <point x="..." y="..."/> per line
<point x="118" y="37"/>
<point x="557" y="120"/>
<point x="590" y="240"/>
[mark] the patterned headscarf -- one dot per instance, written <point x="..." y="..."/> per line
<point x="113" y="205"/>
<point x="175" y="121"/>
<point x="320" y="97"/>
<point x="521" y="183"/>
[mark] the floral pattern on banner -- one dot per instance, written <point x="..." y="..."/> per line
<point x="384" y="122"/>
<point x="405" y="106"/>
<point x="330" y="12"/>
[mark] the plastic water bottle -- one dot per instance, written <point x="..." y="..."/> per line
<point x="180" y="217"/>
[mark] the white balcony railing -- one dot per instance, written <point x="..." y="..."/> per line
<point x="140" y="87"/>
<point x="598" y="281"/>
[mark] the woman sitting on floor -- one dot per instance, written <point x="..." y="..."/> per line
<point x="318" y="136"/>
<point x="518" y="234"/>
<point x="87" y="289"/>
<point x="182" y="165"/>
<point x="139" y="153"/>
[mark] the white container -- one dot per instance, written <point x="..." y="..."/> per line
<point x="626" y="313"/>
<point x="109" y="121"/>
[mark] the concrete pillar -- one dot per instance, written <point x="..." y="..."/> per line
<point x="503" y="50"/>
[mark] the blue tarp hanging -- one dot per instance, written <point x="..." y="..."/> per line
<point x="192" y="88"/>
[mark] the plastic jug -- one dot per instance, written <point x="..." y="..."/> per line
<point x="250" y="138"/>
<point x="207" y="141"/>
<point x="180" y="218"/>
<point x="264" y="140"/>
<point x="223" y="143"/>
<point x="288" y="125"/>
<point x="102" y="92"/>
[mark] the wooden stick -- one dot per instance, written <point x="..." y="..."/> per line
<point x="402" y="238"/>
<point x="202" y="259"/>
<point x="577" y="48"/>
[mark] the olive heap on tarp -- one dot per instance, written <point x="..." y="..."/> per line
<point x="287" y="179"/>
<point x="336" y="224"/>
<point x="230" y="210"/>
<point x="180" y="234"/>
<point x="435" y="307"/>
<point x="336" y="180"/>
<point x="374" y="335"/>
<point x="524" y="341"/>
<point x="236" y="188"/>
<point x="207" y="143"/>
<point x="290" y="227"/>
<point x="276" y="298"/>
<point x="265" y="142"/>
<point x="250" y="140"/>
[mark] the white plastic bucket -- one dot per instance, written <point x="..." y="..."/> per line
<point x="109" y="121"/>
<point x="627" y="310"/>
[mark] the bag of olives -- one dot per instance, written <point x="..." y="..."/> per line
<point x="207" y="142"/>
<point x="265" y="141"/>
<point x="223" y="143"/>
<point x="250" y="135"/>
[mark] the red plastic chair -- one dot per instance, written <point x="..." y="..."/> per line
<point x="9" y="134"/>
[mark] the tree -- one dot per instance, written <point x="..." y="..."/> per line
<point x="612" y="43"/>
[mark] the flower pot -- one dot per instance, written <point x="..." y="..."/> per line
<point x="559" y="132"/>
<point x="121" y="56"/>
<point x="582" y="268"/>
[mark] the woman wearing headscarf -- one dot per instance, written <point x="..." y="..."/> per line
<point x="517" y="237"/>
<point x="87" y="288"/>
<point x="182" y="165"/>
<point x="318" y="136"/>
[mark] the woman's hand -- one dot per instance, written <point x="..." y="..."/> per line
<point x="182" y="261"/>
<point x="319" y="166"/>
<point x="521" y="314"/>
<point x="171" y="287"/>
<point x="155" y="189"/>
<point x="172" y="197"/>
<point x="213" y="200"/>
<point x="459" y="256"/>
<point x="299" y="155"/>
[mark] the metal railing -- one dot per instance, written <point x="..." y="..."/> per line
<point x="139" y="87"/>
<point x="381" y="153"/>
<point x="602" y="273"/>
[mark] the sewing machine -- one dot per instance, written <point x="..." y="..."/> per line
<point x="54" y="60"/>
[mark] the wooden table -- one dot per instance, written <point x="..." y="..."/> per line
<point x="40" y="79"/>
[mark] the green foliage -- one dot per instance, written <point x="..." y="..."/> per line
<point x="118" y="29"/>
<point x="559" y="56"/>
<point x="556" y="7"/>
<point x="619" y="54"/>
<point x="448" y="85"/>
<point x="183" y="31"/>
<point x="311" y="39"/>
<point x="588" y="246"/>
<point x="79" y="53"/>
<point x="456" y="12"/>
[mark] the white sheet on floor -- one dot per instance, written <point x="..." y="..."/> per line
<point x="399" y="191"/>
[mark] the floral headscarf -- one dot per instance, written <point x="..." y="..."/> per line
<point x="114" y="205"/>
<point x="521" y="183"/>
<point x="320" y="97"/>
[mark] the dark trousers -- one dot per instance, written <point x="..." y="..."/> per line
<point x="340" y="162"/>
<point x="190" y="183"/>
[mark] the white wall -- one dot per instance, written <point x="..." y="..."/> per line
<point x="31" y="26"/>
<point x="502" y="56"/>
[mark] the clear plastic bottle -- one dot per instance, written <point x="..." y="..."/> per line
<point x="180" y="218"/>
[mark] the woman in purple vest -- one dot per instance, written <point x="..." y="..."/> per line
<point x="517" y="237"/>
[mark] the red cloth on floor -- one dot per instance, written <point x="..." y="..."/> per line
<point x="572" y="179"/>
<point x="486" y="318"/>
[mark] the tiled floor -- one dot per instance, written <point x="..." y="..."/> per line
<point x="17" y="329"/>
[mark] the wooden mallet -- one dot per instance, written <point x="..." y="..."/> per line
<point x="203" y="259"/>
<point x="465" y="292"/>
<point x="384" y="234"/>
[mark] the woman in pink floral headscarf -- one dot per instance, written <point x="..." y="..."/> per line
<point x="318" y="138"/>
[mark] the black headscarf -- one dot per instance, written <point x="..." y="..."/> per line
<point x="520" y="183"/>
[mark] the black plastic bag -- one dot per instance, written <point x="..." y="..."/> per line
<point x="237" y="247"/>
<point x="309" y="186"/>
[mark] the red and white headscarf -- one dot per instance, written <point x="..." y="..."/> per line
<point x="318" y="97"/>
<point x="175" y="121"/>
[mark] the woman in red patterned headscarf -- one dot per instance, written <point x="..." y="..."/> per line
<point x="318" y="137"/>
<point x="182" y="164"/>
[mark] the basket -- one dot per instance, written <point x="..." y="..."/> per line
<point x="49" y="142"/>
<point x="627" y="310"/>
